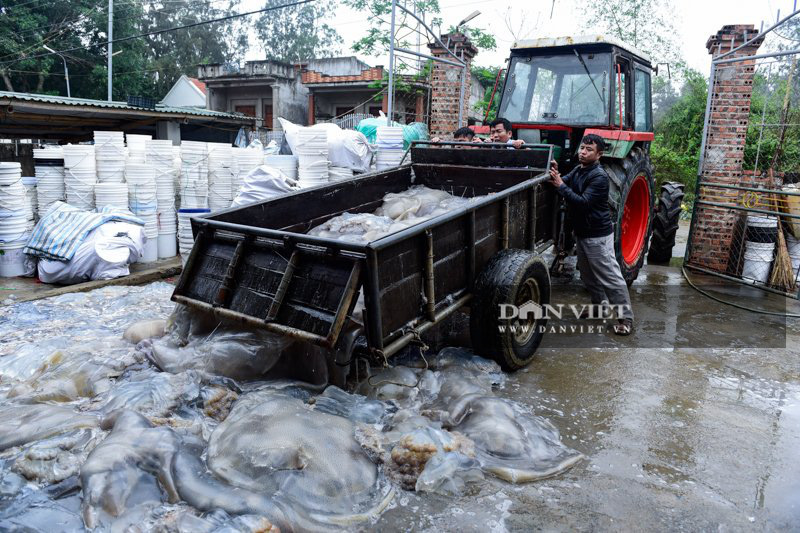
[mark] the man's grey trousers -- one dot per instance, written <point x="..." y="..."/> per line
<point x="601" y="274"/>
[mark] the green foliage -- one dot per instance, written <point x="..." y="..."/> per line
<point x="376" y="41"/>
<point x="679" y="130"/>
<point x="766" y="106"/>
<point x="403" y="83"/>
<point x="144" y="67"/>
<point x="298" y="33"/>
<point x="645" y="24"/>
<point x="488" y="76"/>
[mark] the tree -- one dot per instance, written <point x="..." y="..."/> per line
<point x="144" y="66"/>
<point x="297" y="33"/>
<point x="488" y="78"/>
<point x="29" y="26"/>
<point x="644" y="24"/>
<point x="676" y="150"/>
<point x="376" y="41"/>
<point x="169" y="55"/>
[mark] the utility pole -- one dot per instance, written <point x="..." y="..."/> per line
<point x="391" y="66"/>
<point x="66" y="70"/>
<point x="110" y="45"/>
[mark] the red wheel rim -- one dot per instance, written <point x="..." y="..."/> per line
<point x="634" y="219"/>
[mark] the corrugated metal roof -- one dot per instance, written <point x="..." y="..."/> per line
<point x="85" y="102"/>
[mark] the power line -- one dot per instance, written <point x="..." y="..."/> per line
<point x="98" y="8"/>
<point x="158" y="32"/>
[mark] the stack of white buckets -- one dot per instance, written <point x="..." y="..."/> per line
<point x="244" y="160"/>
<point x="193" y="191"/>
<point x="80" y="175"/>
<point x="160" y="155"/>
<point x="111" y="157"/>
<point x="15" y="225"/>
<point x="220" y="176"/>
<point x="194" y="175"/>
<point x="389" y="140"/>
<point x="49" y="166"/>
<point x="759" y="249"/>
<point x="141" y="180"/>
<point x="185" y="237"/>
<point x="137" y="147"/>
<point x="312" y="151"/>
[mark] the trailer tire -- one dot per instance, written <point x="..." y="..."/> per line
<point x="665" y="222"/>
<point x="510" y="277"/>
<point x="630" y="199"/>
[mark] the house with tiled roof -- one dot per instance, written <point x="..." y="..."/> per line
<point x="316" y="90"/>
<point x="343" y="85"/>
<point x="186" y="92"/>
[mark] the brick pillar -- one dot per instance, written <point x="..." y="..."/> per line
<point x="385" y="103"/>
<point x="311" y="109"/>
<point x="728" y="119"/>
<point x="446" y="85"/>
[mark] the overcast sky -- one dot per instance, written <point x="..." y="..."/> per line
<point x="696" y="20"/>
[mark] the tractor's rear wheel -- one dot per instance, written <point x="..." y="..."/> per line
<point x="665" y="222"/>
<point x="630" y="198"/>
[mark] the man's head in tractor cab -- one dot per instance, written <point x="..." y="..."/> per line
<point x="591" y="149"/>
<point x="464" y="135"/>
<point x="501" y="132"/>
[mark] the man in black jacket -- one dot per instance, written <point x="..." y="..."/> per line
<point x="585" y="190"/>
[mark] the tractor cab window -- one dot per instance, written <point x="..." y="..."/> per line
<point x="641" y="98"/>
<point x="563" y="89"/>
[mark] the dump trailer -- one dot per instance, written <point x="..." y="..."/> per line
<point x="257" y="264"/>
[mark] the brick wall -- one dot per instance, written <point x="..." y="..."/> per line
<point x="446" y="85"/>
<point x="725" y="141"/>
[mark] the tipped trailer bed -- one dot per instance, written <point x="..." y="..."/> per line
<point x="256" y="264"/>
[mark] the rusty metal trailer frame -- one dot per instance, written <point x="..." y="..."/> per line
<point x="227" y="249"/>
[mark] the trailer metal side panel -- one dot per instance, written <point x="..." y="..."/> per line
<point x="283" y="288"/>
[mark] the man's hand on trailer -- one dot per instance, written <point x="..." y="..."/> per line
<point x="555" y="176"/>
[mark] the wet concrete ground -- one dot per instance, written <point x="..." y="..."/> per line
<point x="689" y="424"/>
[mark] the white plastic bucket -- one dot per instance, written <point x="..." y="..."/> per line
<point x="79" y="156"/>
<point x="150" y="252"/>
<point x="167" y="245"/>
<point x="10" y="173"/>
<point x="12" y="260"/>
<point x="758" y="258"/>
<point x="13" y="229"/>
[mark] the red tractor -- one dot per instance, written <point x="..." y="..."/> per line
<point x="558" y="90"/>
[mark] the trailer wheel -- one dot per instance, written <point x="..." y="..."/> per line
<point x="518" y="278"/>
<point x="630" y="198"/>
<point x="665" y="222"/>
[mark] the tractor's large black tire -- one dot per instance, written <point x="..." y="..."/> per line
<point x="507" y="279"/>
<point x="621" y="176"/>
<point x="665" y="222"/>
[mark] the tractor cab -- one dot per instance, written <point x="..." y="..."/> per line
<point x="559" y="89"/>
